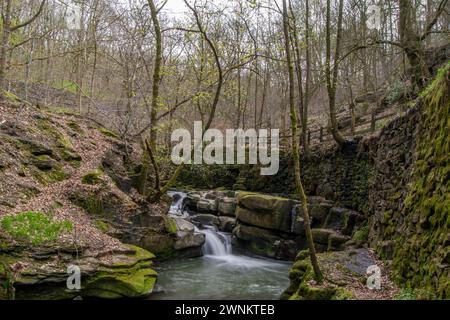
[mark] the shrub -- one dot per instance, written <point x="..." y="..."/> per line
<point x="34" y="227"/>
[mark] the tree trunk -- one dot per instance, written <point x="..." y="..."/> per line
<point x="295" y="151"/>
<point x="332" y="75"/>
<point x="5" y="43"/>
<point x="156" y="73"/>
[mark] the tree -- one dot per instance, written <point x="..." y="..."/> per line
<point x="8" y="29"/>
<point x="295" y="149"/>
<point x="156" y="72"/>
<point x="332" y="72"/>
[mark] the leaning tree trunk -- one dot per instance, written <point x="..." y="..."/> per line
<point x="295" y="149"/>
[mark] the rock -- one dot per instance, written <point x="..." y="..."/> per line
<point x="205" y="219"/>
<point x="36" y="148"/>
<point x="162" y="245"/>
<point x="319" y="213"/>
<point x="299" y="226"/>
<point x="342" y="219"/>
<point x="227" y="207"/>
<point x="191" y="200"/>
<point x="190" y="240"/>
<point x="285" y="249"/>
<point x="126" y="273"/>
<point x="186" y="235"/>
<point x="321" y="235"/>
<point x="265" y="211"/>
<point x="227" y="224"/>
<point x="43" y="162"/>
<point x="257" y="240"/>
<point x="336" y="241"/>
<point x="207" y="205"/>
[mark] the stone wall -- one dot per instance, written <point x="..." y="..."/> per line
<point x="410" y="192"/>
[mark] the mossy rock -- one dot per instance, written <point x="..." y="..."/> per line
<point x="75" y="127"/>
<point x="102" y="226"/>
<point x="92" y="178"/>
<point x="108" y="133"/>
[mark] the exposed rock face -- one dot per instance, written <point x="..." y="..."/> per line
<point x="264" y="211"/>
<point x="124" y="273"/>
<point x="214" y="208"/>
<point x="227" y="206"/>
<point x="274" y="227"/>
<point x="167" y="237"/>
<point x="227" y="224"/>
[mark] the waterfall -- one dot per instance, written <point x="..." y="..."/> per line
<point x="216" y="243"/>
<point x="176" y="208"/>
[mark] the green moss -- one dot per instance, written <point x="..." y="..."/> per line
<point x="101" y="225"/>
<point x="108" y="133"/>
<point x="11" y="97"/>
<point x="92" y="178"/>
<point x="361" y="235"/>
<point x="343" y="294"/>
<point x="34" y="227"/>
<point x="54" y="175"/>
<point x="418" y="259"/>
<point x="171" y="226"/>
<point x="75" y="127"/>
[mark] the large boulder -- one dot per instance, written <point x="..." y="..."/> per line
<point x="227" y="224"/>
<point x="265" y="242"/>
<point x="265" y="211"/>
<point x="205" y="219"/>
<point x="42" y="274"/>
<point x="207" y="205"/>
<point x="186" y="236"/>
<point x="227" y="206"/>
<point x="191" y="200"/>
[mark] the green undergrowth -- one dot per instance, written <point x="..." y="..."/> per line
<point x="34" y="228"/>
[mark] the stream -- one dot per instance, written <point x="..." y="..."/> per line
<point x="222" y="273"/>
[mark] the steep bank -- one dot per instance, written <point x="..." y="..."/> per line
<point x="67" y="197"/>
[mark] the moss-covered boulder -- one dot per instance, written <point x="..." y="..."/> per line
<point x="43" y="274"/>
<point x="265" y="211"/>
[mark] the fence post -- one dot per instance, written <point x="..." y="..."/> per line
<point x="321" y="134"/>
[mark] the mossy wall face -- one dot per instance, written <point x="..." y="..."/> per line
<point x="410" y="194"/>
<point x="338" y="175"/>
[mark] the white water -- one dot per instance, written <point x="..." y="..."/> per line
<point x="176" y="208"/>
<point x="216" y="243"/>
<point x="221" y="273"/>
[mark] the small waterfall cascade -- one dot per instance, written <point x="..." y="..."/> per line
<point x="177" y="206"/>
<point x="216" y="243"/>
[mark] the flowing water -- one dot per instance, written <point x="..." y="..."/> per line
<point x="222" y="273"/>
